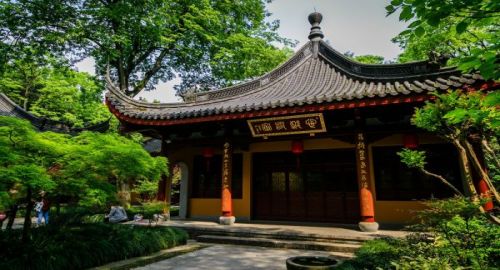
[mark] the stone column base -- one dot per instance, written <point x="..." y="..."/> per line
<point x="227" y="220"/>
<point x="368" y="226"/>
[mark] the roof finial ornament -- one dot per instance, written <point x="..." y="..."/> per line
<point x="315" y="19"/>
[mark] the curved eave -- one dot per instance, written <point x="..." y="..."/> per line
<point x="273" y="111"/>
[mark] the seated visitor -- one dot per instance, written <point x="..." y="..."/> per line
<point x="117" y="215"/>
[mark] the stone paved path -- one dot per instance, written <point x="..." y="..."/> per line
<point x="229" y="257"/>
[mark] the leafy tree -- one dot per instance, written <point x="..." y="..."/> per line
<point x="71" y="97"/>
<point x="207" y="43"/>
<point x="442" y="41"/>
<point x="370" y="59"/>
<point x="25" y="158"/>
<point x="86" y="169"/>
<point x="22" y="81"/>
<point x="366" y="59"/>
<point x="55" y="92"/>
<point x="467" y="30"/>
<point x="468" y="120"/>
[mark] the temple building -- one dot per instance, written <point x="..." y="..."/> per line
<point x="314" y="140"/>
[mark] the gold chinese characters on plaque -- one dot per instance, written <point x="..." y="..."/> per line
<point x="287" y="125"/>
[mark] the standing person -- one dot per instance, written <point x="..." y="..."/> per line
<point x="45" y="208"/>
<point x="42" y="209"/>
<point x="38" y="211"/>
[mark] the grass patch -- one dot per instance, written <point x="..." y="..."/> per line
<point x="84" y="246"/>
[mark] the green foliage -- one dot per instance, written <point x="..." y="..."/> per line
<point x="375" y="253"/>
<point x="439" y="211"/>
<point x="148" y="209"/>
<point x="466" y="30"/>
<point x="456" y="236"/>
<point x="366" y="59"/>
<point x="369" y="59"/>
<point x="208" y="43"/>
<point x="459" y="114"/>
<point x="25" y="157"/>
<point x="464" y="118"/>
<point x="146" y="189"/>
<point x="87" y="168"/>
<point x="413" y="158"/>
<point x="55" y="92"/>
<point x="84" y="246"/>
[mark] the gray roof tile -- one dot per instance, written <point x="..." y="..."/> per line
<point x="304" y="79"/>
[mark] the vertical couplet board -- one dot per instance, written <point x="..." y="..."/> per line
<point x="365" y="194"/>
<point x="227" y="208"/>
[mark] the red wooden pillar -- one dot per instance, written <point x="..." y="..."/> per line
<point x="482" y="187"/>
<point x="484" y="191"/>
<point x="367" y="223"/>
<point x="227" y="217"/>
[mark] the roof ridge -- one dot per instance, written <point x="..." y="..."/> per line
<point x="218" y="95"/>
<point x="381" y="71"/>
<point x="270" y="76"/>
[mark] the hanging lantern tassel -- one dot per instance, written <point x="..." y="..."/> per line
<point x="208" y="153"/>
<point x="297" y="150"/>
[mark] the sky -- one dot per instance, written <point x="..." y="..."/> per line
<point x="359" y="26"/>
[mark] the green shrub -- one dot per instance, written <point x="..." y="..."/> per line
<point x="147" y="210"/>
<point x="375" y="253"/>
<point x="456" y="235"/>
<point x="77" y="215"/>
<point x="422" y="263"/>
<point x="83" y="246"/>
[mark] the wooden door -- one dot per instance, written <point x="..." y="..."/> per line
<point x="319" y="187"/>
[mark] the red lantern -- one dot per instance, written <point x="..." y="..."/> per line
<point x="208" y="152"/>
<point x="410" y="141"/>
<point x="297" y="147"/>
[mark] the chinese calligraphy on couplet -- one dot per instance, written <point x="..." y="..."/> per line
<point x="363" y="170"/>
<point x="226" y="166"/>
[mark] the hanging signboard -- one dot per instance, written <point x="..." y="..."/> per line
<point x="287" y="125"/>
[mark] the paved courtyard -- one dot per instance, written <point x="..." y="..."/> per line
<point x="222" y="257"/>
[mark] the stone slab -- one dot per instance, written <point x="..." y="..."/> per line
<point x="231" y="257"/>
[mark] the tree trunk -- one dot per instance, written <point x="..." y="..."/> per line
<point x="27" y="216"/>
<point x="479" y="168"/>
<point x="25" y="103"/>
<point x="12" y="216"/>
<point x="486" y="148"/>
<point x="468" y="183"/>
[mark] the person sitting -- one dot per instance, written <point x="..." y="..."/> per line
<point x="117" y="215"/>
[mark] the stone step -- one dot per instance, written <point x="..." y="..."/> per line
<point x="348" y="248"/>
<point x="292" y="236"/>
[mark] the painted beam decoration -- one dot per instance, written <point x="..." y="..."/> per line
<point x="287" y="125"/>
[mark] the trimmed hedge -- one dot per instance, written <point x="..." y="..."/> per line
<point x="84" y="246"/>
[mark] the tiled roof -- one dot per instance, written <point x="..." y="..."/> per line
<point x="9" y="108"/>
<point x="316" y="74"/>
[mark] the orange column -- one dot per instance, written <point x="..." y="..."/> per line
<point x="481" y="185"/>
<point x="367" y="222"/>
<point x="227" y="217"/>
<point x="484" y="191"/>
